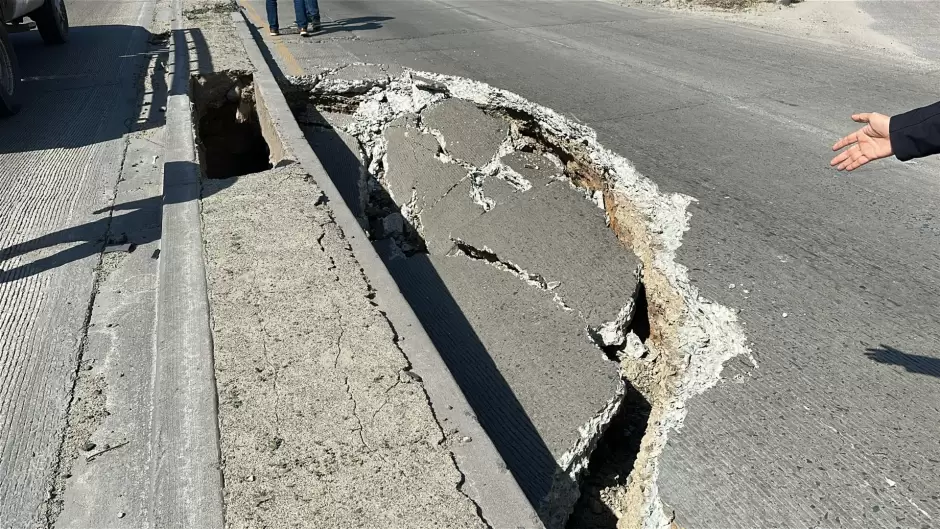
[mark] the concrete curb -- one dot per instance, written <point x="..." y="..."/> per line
<point x="487" y="480"/>
<point x="187" y="479"/>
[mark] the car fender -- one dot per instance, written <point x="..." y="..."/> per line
<point x="13" y="9"/>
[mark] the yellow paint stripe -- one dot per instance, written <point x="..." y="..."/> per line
<point x="293" y="66"/>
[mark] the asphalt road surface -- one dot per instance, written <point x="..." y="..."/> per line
<point x="912" y="23"/>
<point x="60" y="159"/>
<point x="836" y="276"/>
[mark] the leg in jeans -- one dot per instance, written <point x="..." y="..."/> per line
<point x="301" y="14"/>
<point x="271" y="7"/>
<point x="313" y="13"/>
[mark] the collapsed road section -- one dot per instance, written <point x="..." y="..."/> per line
<point x="542" y="267"/>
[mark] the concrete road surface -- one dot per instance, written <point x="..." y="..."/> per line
<point x="60" y="161"/>
<point x="836" y="276"/>
<point x="912" y="23"/>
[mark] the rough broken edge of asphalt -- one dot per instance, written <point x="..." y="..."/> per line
<point x="691" y="337"/>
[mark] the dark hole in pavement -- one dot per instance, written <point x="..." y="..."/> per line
<point x="611" y="463"/>
<point x="639" y="324"/>
<point x="228" y="131"/>
<point x="641" y="318"/>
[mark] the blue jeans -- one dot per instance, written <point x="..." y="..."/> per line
<point x="271" y="7"/>
<point x="307" y="11"/>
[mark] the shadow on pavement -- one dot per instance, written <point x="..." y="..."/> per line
<point x="55" y="71"/>
<point x="142" y="225"/>
<point x="351" y="24"/>
<point x="71" y="92"/>
<point x="921" y="365"/>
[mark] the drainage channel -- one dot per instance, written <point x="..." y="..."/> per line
<point x="230" y="138"/>
<point x="479" y="197"/>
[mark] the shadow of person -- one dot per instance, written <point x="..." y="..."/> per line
<point x="922" y="365"/>
<point x="351" y="24"/>
<point x="91" y="237"/>
<point x="141" y="224"/>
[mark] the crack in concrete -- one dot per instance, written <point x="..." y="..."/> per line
<point x="61" y="459"/>
<point x="339" y="346"/>
<point x="274" y="373"/>
<point x="355" y="404"/>
<point x="489" y="256"/>
<point x="360" y="429"/>
<point x="460" y="484"/>
<point x="386" y="392"/>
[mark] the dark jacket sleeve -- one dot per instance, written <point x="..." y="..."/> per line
<point x="916" y="134"/>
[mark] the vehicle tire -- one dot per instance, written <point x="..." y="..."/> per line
<point x="52" y="20"/>
<point x="9" y="76"/>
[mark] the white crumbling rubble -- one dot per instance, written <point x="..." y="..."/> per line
<point x="705" y="336"/>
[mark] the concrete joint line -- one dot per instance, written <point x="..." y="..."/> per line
<point x="487" y="481"/>
<point x="186" y="486"/>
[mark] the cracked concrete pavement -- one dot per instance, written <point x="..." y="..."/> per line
<point x="321" y="418"/>
<point x="509" y="265"/>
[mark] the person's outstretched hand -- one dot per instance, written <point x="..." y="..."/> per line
<point x="871" y="142"/>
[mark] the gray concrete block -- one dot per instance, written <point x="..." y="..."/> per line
<point x="554" y="231"/>
<point x="412" y="165"/>
<point x="472" y="135"/>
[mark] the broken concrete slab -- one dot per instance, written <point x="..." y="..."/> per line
<point x="554" y="232"/>
<point x="471" y="135"/>
<point x="448" y="201"/>
<point x="412" y="165"/>
<point x="515" y="355"/>
<point x="550" y="230"/>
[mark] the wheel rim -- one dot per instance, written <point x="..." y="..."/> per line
<point x="6" y="69"/>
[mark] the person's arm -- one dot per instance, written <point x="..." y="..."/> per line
<point x="916" y="134"/>
<point x="909" y="135"/>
